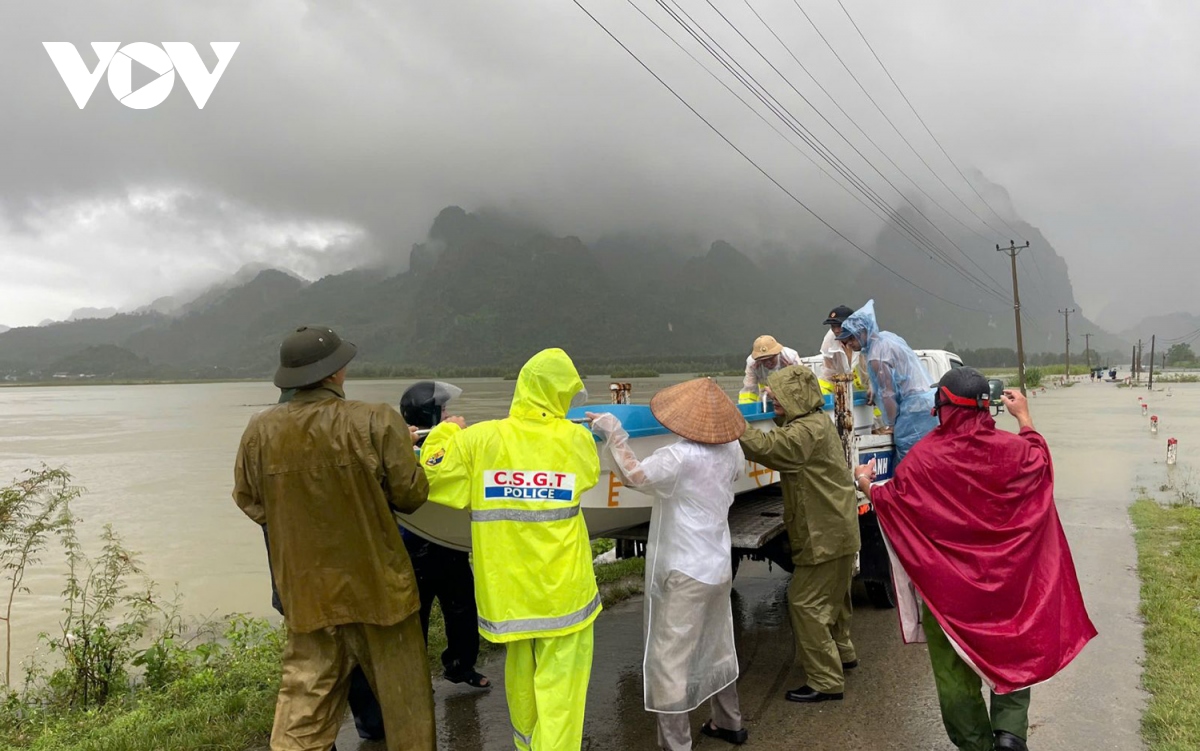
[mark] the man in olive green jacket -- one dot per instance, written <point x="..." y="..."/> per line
<point x="325" y="474"/>
<point x="821" y="517"/>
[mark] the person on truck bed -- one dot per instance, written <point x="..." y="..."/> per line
<point x="837" y="357"/>
<point x="690" y="655"/>
<point x="971" y="519"/>
<point x="820" y="513"/>
<point x="765" y="358"/>
<point x="900" y="382"/>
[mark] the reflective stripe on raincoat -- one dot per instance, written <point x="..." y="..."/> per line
<point x="522" y="478"/>
<point x="755" y="379"/>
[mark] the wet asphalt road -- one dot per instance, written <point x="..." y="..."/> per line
<point x="1100" y="456"/>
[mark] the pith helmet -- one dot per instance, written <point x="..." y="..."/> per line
<point x="765" y="346"/>
<point x="309" y="355"/>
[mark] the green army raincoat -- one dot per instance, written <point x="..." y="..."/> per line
<point x="324" y="474"/>
<point x="819" y="507"/>
<point x="522" y="478"/>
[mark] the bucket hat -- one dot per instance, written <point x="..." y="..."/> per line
<point x="699" y="411"/>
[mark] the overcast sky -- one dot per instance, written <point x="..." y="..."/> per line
<point x="340" y="128"/>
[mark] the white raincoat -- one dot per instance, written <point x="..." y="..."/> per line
<point x="689" y="647"/>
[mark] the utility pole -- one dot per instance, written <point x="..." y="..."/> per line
<point x="1133" y="363"/>
<point x="1066" y="314"/>
<point x="1087" y="350"/>
<point x="1012" y="250"/>
<point x="1138" y="362"/>
<point x="1151" y="386"/>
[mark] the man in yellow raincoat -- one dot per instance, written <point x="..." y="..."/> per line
<point x="522" y="478"/>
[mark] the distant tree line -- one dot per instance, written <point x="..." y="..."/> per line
<point x="1006" y="357"/>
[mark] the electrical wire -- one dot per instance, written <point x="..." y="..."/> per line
<point x="711" y="45"/>
<point x="880" y="149"/>
<point x="922" y="121"/>
<point x="755" y="164"/>
<point x="905" y="198"/>
<point x="881" y="111"/>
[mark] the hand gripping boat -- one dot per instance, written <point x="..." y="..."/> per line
<point x="610" y="506"/>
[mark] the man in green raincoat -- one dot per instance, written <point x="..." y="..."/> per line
<point x="821" y="517"/>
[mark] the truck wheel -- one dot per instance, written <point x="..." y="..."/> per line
<point x="882" y="594"/>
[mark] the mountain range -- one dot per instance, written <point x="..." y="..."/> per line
<point x="489" y="290"/>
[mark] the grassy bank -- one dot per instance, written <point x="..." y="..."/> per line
<point x="1168" y="540"/>
<point x="215" y="694"/>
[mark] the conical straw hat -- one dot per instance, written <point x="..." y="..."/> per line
<point x="699" y="411"/>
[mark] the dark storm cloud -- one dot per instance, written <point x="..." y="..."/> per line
<point x="340" y="128"/>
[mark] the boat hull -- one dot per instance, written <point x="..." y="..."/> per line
<point x="608" y="507"/>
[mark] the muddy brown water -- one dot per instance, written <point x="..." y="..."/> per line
<point x="157" y="460"/>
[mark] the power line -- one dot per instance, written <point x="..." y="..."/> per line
<point x="878" y="148"/>
<point x="755" y="164"/>
<point x="954" y="265"/>
<point x="922" y="121"/>
<point x="874" y="211"/>
<point x="719" y="53"/>
<point x="786" y="80"/>
<point x="894" y="127"/>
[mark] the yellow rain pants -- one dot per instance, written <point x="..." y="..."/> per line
<point x="546" y="681"/>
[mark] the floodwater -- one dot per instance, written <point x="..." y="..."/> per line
<point x="157" y="461"/>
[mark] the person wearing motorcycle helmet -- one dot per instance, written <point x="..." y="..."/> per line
<point x="442" y="573"/>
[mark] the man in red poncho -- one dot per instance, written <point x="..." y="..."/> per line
<point x="974" y="533"/>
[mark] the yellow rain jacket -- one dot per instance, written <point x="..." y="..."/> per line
<point x="522" y="478"/>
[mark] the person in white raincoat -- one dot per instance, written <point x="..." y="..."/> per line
<point x="689" y="647"/>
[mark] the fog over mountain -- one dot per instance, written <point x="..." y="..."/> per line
<point x="486" y="290"/>
<point x="339" y="130"/>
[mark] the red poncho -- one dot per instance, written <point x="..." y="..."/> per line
<point x="970" y="515"/>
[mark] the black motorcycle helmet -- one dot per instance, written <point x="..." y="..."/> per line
<point x="422" y="403"/>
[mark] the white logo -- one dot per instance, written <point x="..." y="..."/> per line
<point x="118" y="61"/>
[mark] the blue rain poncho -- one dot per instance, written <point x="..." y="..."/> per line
<point x="903" y="388"/>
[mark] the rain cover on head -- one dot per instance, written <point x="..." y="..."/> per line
<point x="690" y="653"/>
<point x="902" y="386"/>
<point x="546" y="386"/>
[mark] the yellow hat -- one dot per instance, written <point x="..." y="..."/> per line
<point x="765" y="346"/>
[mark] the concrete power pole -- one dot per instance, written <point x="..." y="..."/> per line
<point x="1087" y="350"/>
<point x="1012" y="250"/>
<point x="1066" y="314"/>
<point x="1138" y="363"/>
<point x="1150" y="387"/>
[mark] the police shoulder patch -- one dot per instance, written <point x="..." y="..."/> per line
<point x="436" y="459"/>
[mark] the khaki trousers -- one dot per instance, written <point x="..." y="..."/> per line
<point x="316" y="682"/>
<point x="675" y="730"/>
<point x="820" y="610"/>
